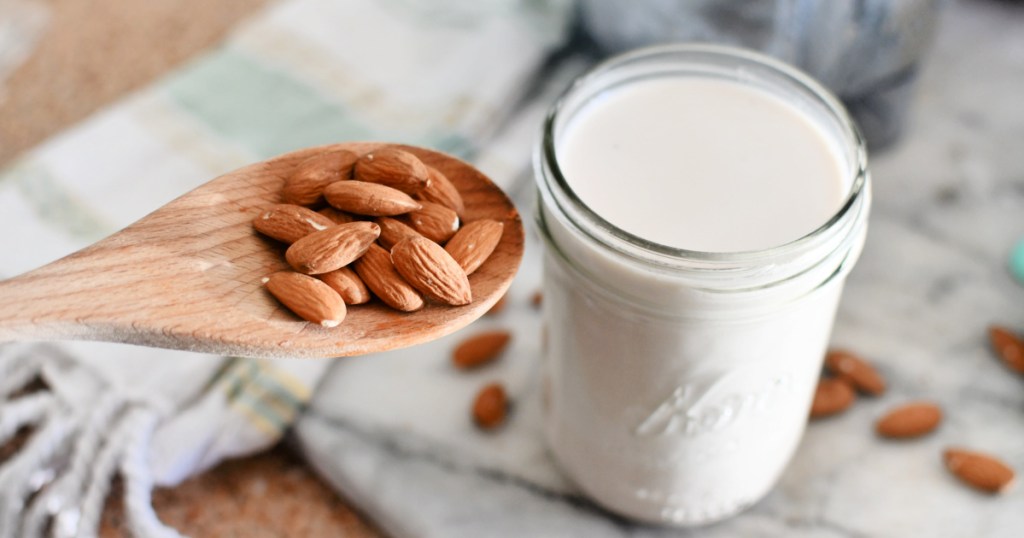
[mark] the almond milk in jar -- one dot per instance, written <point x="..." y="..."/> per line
<point x="701" y="207"/>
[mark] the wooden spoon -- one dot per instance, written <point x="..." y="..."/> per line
<point x="188" y="276"/>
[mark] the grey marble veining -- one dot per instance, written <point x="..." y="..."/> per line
<point x="391" y="431"/>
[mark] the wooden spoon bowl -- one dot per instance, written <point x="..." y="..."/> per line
<point x="188" y="276"/>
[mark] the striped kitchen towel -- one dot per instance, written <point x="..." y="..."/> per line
<point x="443" y="74"/>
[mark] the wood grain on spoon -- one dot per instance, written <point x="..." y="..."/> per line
<point x="188" y="276"/>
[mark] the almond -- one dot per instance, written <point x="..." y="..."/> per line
<point x="379" y="274"/>
<point x="490" y="407"/>
<point x="855" y="371"/>
<point x="442" y="191"/>
<point x="337" y="216"/>
<point x="347" y="283"/>
<point x="980" y="471"/>
<point x="474" y="243"/>
<point x="831" y="397"/>
<point x="432" y="271"/>
<point x="537" y="299"/>
<point x="307" y="297"/>
<point x="1008" y="346"/>
<point x="480" y="349"/>
<point x="909" y="420"/>
<point x="434" y="221"/>
<point x="332" y="248"/>
<point x="498" y="306"/>
<point x="395" y="168"/>
<point x="371" y="199"/>
<point x="289" y="223"/>
<point x="394" y="231"/>
<point x="307" y="183"/>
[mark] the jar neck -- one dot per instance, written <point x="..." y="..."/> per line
<point x="822" y="250"/>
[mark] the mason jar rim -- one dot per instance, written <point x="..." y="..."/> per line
<point x="548" y="159"/>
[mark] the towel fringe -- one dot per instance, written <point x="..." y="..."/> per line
<point x="86" y="430"/>
<point x="25" y="411"/>
<point x="17" y="474"/>
<point x="19" y="372"/>
<point x="139" y="480"/>
<point x="61" y="477"/>
<point x="68" y="489"/>
<point x="85" y="520"/>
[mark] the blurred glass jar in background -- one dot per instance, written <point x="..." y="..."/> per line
<point x="866" y="51"/>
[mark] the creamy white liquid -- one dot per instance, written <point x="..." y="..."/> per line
<point x="665" y="401"/>
<point x="702" y="164"/>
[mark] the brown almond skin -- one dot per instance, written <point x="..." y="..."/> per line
<point x="307" y="297"/>
<point x="379" y="274"/>
<point x="337" y="216"/>
<point x="980" y="471"/>
<point x="331" y="249"/>
<point x="474" y="243"/>
<point x="480" y="349"/>
<point x="1008" y="346"/>
<point x="395" y="168"/>
<point x="833" y="396"/>
<point x="909" y="421"/>
<point x="349" y="286"/>
<point x="490" y="407"/>
<point x="434" y="221"/>
<point x="432" y="271"/>
<point x="288" y="222"/>
<point x="371" y="199"/>
<point x="306" y="185"/>
<point x="855" y="371"/>
<point x="393" y="231"/>
<point x="442" y="191"/>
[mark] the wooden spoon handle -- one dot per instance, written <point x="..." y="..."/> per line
<point x="51" y="302"/>
<point x="83" y="296"/>
<point x="28" y="309"/>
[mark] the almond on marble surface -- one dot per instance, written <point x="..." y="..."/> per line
<point x="307" y="297"/>
<point x="332" y="248"/>
<point x="855" y="371"/>
<point x="831" y="397"/>
<point x="442" y="191"/>
<point x="432" y="271"/>
<point x="306" y="185"/>
<point x="347" y="283"/>
<point x="1008" y="346"/>
<point x="909" y="420"/>
<point x="379" y="274"/>
<point x="490" y="407"/>
<point x="480" y="349"/>
<point x="474" y="243"/>
<point x="372" y="199"/>
<point x="980" y="471"/>
<point x="289" y="222"/>
<point x="434" y="221"/>
<point x="395" y="168"/>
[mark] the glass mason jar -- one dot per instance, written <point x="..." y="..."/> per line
<point x="677" y="383"/>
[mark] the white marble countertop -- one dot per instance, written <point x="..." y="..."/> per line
<point x="949" y="204"/>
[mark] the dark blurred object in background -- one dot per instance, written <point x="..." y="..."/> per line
<point x="867" y="51"/>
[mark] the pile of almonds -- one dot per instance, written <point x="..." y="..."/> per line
<point x="387" y="226"/>
<point x="850" y="374"/>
